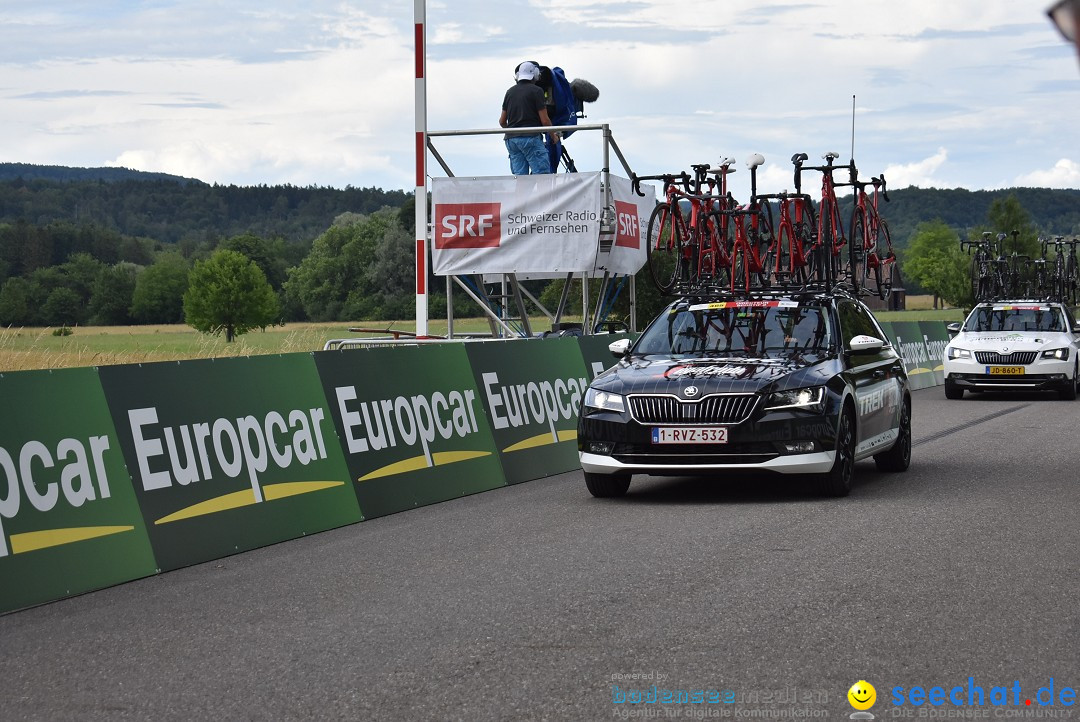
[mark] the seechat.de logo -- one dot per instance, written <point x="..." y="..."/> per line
<point x="627" y="227"/>
<point x="468" y="225"/>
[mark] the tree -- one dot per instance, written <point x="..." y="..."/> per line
<point x="15" y="302"/>
<point x="933" y="259"/>
<point x="159" y="291"/>
<point x="1007" y="215"/>
<point x="63" y="307"/>
<point x="114" y="289"/>
<point x="229" y="292"/>
<point x="332" y="284"/>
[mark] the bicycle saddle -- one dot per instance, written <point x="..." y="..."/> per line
<point x="799" y="158"/>
<point x="755" y="160"/>
<point x="831" y="155"/>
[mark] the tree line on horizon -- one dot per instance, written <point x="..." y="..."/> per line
<point x="96" y="252"/>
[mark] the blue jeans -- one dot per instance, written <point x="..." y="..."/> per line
<point x="527" y="155"/>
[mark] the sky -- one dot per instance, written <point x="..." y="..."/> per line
<point x="978" y="94"/>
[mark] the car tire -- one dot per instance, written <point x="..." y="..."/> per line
<point x="607" y="485"/>
<point x="898" y="458"/>
<point x="837" y="481"/>
<point x="952" y="391"/>
<point x="1069" y="392"/>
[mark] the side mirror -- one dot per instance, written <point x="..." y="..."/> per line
<point x="866" y="344"/>
<point x="619" y="348"/>
<point x="1076" y="328"/>
<point x="953" y="328"/>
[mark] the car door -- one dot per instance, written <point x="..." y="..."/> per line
<point x="877" y="378"/>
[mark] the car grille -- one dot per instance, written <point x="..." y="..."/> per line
<point x="719" y="409"/>
<point x="1016" y="358"/>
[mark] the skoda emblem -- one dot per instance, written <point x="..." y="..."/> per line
<point x="690" y="391"/>
<point x="1005" y="349"/>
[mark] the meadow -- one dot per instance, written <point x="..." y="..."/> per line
<point x="38" y="348"/>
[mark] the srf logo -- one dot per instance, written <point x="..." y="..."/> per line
<point x="468" y="225"/>
<point x="627" y="228"/>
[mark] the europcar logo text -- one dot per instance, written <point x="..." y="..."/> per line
<point x="547" y="403"/>
<point x="68" y="474"/>
<point x="224" y="448"/>
<point x="414" y="422"/>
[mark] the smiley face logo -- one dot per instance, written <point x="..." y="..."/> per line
<point x="862" y="695"/>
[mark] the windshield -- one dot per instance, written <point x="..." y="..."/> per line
<point x="1015" y="318"/>
<point x="751" y="327"/>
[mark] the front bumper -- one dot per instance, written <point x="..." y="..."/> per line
<point x="783" y="442"/>
<point x="1040" y="375"/>
<point x="814" y="463"/>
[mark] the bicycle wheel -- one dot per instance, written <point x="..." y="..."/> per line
<point x="1060" y="282"/>
<point x="862" y="274"/>
<point x="1071" y="279"/>
<point x="976" y="278"/>
<point x="666" y="243"/>
<point x="778" y="260"/>
<point x="886" y="266"/>
<point x="715" y="265"/>
<point x="762" y="239"/>
<point x="805" y="237"/>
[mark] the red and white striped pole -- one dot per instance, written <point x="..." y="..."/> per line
<point x="419" y="19"/>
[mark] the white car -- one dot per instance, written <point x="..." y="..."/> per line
<point x="1013" y="346"/>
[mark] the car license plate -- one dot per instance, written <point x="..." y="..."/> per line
<point x="1005" y="370"/>
<point x="689" y="435"/>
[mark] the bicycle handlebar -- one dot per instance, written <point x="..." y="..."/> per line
<point x="668" y="178"/>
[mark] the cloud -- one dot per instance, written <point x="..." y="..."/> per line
<point x="919" y="174"/>
<point x="1064" y="174"/>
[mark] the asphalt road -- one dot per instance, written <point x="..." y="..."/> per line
<point x="540" y="602"/>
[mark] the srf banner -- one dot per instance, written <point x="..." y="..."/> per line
<point x="548" y="223"/>
<point x="411" y="423"/>
<point x="69" y="521"/>
<point x="624" y="251"/>
<point x="229" y="454"/>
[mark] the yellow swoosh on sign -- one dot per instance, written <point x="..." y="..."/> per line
<point x="34" y="540"/>
<point x="294" y="488"/>
<point x="541" y="440"/>
<point x="246" y="497"/>
<point x="417" y="463"/>
<point x="912" y="372"/>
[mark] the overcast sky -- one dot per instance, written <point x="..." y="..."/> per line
<point x="952" y="93"/>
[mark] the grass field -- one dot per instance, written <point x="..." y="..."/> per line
<point x="37" y="348"/>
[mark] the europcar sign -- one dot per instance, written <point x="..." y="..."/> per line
<point x="69" y="521"/>
<point x="411" y="423"/>
<point x="229" y="454"/>
<point x="532" y="392"/>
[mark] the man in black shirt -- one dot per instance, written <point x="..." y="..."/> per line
<point x="523" y="107"/>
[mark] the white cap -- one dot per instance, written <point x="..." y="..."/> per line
<point x="527" y="71"/>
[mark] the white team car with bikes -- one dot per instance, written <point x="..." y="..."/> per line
<point x="1014" y="346"/>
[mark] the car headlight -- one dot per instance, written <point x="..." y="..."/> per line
<point x="604" y="401"/>
<point x="811" y="399"/>
<point x="1061" y="354"/>
<point x="959" y="353"/>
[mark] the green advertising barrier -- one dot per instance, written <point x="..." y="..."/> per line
<point x="69" y="521"/>
<point x="594" y="349"/>
<point x="411" y="423"/>
<point x="907" y="337"/>
<point x="229" y="454"/>
<point x="936" y="338"/>
<point x="532" y="391"/>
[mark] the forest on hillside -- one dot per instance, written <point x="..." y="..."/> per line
<point x="115" y="246"/>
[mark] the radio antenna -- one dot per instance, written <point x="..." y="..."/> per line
<point x="853" y="127"/>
